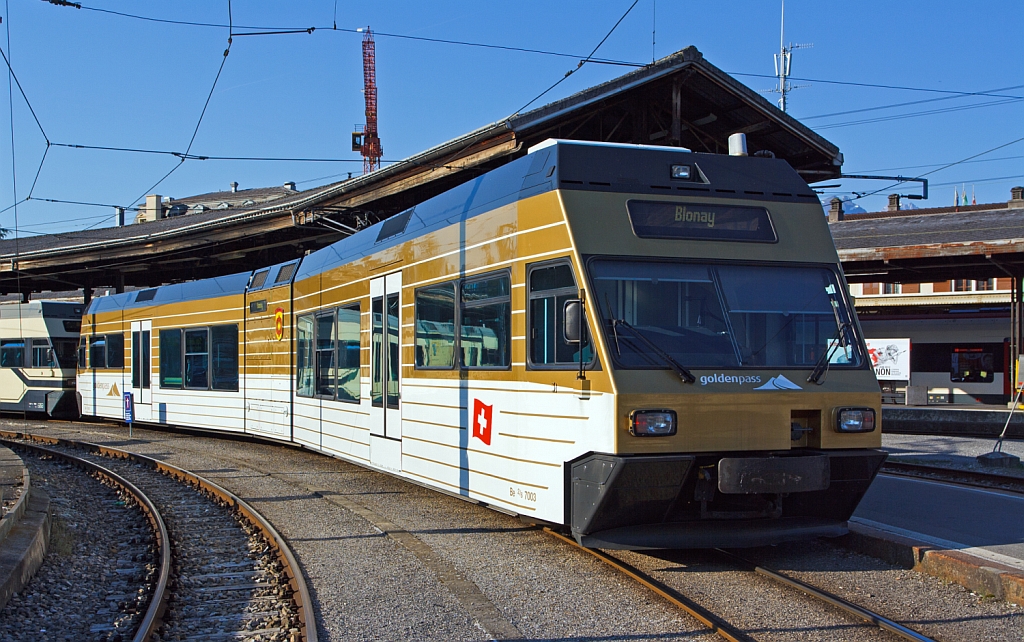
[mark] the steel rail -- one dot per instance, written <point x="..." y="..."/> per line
<point x="973" y="478"/>
<point x="851" y="608"/>
<point x="158" y="600"/>
<point x="702" y="615"/>
<point x="301" y="595"/>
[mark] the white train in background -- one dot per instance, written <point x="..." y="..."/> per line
<point x="38" y="357"/>
<point x="958" y="360"/>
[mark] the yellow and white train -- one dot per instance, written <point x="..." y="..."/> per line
<point x="648" y="347"/>
<point x="38" y="345"/>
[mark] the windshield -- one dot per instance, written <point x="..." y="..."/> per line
<point x="706" y="316"/>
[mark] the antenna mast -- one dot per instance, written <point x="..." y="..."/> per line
<point x="371" y="148"/>
<point x="783" y="63"/>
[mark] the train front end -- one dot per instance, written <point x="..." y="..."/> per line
<point x="746" y="410"/>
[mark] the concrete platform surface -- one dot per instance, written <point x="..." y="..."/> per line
<point x="972" y="536"/>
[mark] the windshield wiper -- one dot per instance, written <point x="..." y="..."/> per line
<point x="683" y="373"/>
<point x="821" y="367"/>
<point x="840" y="339"/>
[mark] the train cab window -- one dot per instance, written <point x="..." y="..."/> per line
<point x="485" y="320"/>
<point x="64" y="352"/>
<point x="115" y="350"/>
<point x="550" y="286"/>
<point x="224" y="357"/>
<point x="348" y="353"/>
<point x="972" y="365"/>
<point x="304" y="371"/>
<point x="170" y="359"/>
<point x="12" y="353"/>
<point x="98" y="352"/>
<point x="197" y="359"/>
<point x="326" y="374"/>
<point x="435" y="326"/>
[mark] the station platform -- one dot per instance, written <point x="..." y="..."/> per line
<point x="952" y="419"/>
<point x="976" y="531"/>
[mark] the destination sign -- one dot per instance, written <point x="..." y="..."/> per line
<point x="700" y="221"/>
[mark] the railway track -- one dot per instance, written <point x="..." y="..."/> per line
<point x="956" y="476"/>
<point x="722" y="627"/>
<point x="225" y="572"/>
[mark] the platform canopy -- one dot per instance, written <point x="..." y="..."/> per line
<point x="926" y="246"/>
<point x="681" y="100"/>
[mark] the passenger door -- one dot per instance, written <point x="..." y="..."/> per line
<point x="385" y="371"/>
<point x="268" y="362"/>
<point x="141" y="369"/>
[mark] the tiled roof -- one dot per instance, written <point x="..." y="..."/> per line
<point x="979" y="223"/>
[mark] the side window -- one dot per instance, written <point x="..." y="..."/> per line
<point x="325" y="353"/>
<point x="98" y="352"/>
<point x="42" y="355"/>
<point x="82" y="350"/>
<point x="304" y="356"/>
<point x="197" y="359"/>
<point x="549" y="287"/>
<point x="224" y="355"/>
<point x="485" y="320"/>
<point x="115" y="350"/>
<point x="12" y="353"/>
<point x="348" y="353"/>
<point x="170" y="359"/>
<point x="435" y="326"/>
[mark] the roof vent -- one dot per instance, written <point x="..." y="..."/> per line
<point x="234" y="186"/>
<point x="290" y="185"/>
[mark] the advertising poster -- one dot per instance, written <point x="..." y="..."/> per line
<point x="890" y="358"/>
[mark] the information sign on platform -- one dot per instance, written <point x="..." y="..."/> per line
<point x="129" y="407"/>
<point x="890" y="358"/>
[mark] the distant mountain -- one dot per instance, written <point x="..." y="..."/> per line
<point x="849" y="206"/>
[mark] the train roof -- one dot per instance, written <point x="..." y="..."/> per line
<point x="190" y="291"/>
<point x="42" y="308"/>
<point x="553" y="164"/>
<point x="574" y="165"/>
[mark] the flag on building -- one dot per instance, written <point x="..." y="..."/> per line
<point x="974" y="201"/>
<point x="956" y="199"/>
<point x="963" y="192"/>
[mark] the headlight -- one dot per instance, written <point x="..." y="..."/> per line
<point x="855" y="419"/>
<point x="681" y="171"/>
<point x="652" y="423"/>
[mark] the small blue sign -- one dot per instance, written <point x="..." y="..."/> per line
<point x="129" y="407"/>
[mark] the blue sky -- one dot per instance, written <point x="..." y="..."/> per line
<point x="94" y="78"/>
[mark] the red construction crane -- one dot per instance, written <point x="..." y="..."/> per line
<point x="367" y="142"/>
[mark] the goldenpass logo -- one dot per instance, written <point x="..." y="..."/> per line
<point x="722" y="378"/>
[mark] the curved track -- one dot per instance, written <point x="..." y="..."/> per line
<point x="158" y="599"/>
<point x="722" y="627"/>
<point x="192" y="515"/>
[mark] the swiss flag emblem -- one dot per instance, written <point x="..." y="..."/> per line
<point x="482" y="421"/>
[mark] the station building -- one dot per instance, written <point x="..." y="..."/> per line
<point x="956" y="295"/>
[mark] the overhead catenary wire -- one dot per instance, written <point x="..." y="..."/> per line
<point x="581" y="63"/>
<point x="947" y="166"/>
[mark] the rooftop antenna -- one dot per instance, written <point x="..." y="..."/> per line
<point x="784" y="62"/>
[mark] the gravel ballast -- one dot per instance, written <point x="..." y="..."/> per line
<point x="367" y="585"/>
